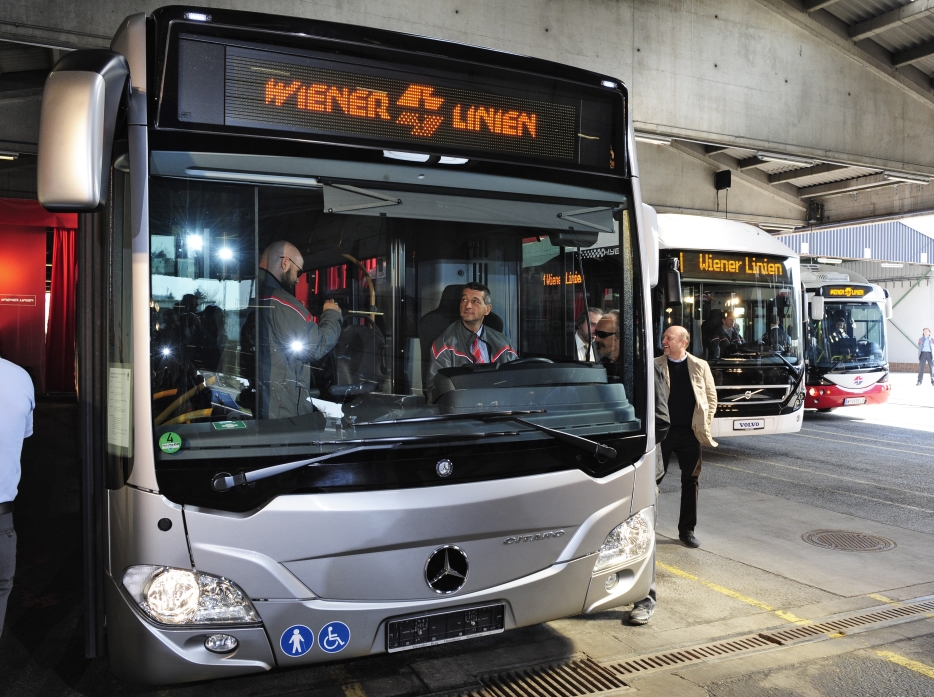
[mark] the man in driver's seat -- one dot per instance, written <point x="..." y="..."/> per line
<point x="288" y="338"/>
<point x="467" y="341"/>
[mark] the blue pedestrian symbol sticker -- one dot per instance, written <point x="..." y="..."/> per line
<point x="334" y="636"/>
<point x="297" y="640"/>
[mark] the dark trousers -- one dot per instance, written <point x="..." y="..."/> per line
<point x="925" y="358"/>
<point x="7" y="561"/>
<point x="684" y="444"/>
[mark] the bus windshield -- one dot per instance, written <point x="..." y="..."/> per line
<point x="851" y="335"/>
<point x="288" y="316"/>
<point x="734" y="315"/>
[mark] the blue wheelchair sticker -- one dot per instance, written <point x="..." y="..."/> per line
<point x="334" y="637"/>
<point x="297" y="640"/>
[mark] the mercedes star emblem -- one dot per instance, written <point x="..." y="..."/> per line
<point x="446" y="570"/>
<point x="444" y="468"/>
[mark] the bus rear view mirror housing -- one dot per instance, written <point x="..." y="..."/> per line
<point x="672" y="283"/>
<point x="80" y="106"/>
<point x="817" y="308"/>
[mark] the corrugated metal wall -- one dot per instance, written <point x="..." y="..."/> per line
<point x="891" y="241"/>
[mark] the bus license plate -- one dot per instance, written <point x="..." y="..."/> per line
<point x="443" y="627"/>
<point x="748" y="424"/>
<point x="853" y="400"/>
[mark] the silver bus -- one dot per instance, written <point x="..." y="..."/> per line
<point x="270" y="481"/>
<point x="737" y="276"/>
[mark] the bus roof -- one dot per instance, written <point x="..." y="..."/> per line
<point x="697" y="232"/>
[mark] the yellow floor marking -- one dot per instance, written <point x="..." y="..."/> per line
<point x="787" y="616"/>
<point x="838" y="635"/>
<point x="349" y="685"/>
<point x="916" y="666"/>
<point x="880" y="440"/>
<point x="882" y="599"/>
<point x="822" y="488"/>
<point x="826" y="474"/>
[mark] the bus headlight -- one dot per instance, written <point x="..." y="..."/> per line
<point x="626" y="541"/>
<point x="182" y="597"/>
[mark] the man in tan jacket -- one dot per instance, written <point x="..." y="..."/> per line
<point x="692" y="403"/>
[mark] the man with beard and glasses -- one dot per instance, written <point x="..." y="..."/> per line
<point x="288" y="338"/>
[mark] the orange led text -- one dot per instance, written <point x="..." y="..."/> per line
<point x="330" y="98"/>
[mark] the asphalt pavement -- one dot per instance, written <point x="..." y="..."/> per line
<point x="757" y="610"/>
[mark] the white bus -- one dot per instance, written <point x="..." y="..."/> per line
<point x="846" y="354"/>
<point x="251" y="502"/>
<point x="741" y="302"/>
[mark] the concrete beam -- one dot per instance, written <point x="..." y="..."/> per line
<point x="795" y="174"/>
<point x="714" y="149"/>
<point x="815" y="5"/>
<point x="891" y="19"/>
<point x="913" y="55"/>
<point x="750" y="163"/>
<point x="847" y="186"/>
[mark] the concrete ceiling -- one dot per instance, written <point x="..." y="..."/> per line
<point x="822" y="110"/>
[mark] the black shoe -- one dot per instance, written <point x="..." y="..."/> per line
<point x="689" y="540"/>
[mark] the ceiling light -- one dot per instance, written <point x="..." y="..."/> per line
<point x="653" y="139"/>
<point x="825" y="260"/>
<point x="8" y="155"/>
<point x="906" y="177"/>
<point x="887" y="265"/>
<point x="225" y="254"/>
<point x="779" y="157"/>
<point x="407" y="156"/>
<point x="777" y="226"/>
<point x="195" y="243"/>
<point x="452" y="160"/>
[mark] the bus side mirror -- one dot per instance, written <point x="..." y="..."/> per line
<point x="672" y="284"/>
<point x="889" y="308"/>
<point x="80" y="104"/>
<point x="650" y="220"/>
<point x="817" y="308"/>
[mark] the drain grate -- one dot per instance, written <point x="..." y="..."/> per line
<point x="787" y="636"/>
<point x="570" y="679"/>
<point x="694" y="654"/>
<point x="584" y="676"/>
<point x="846" y="541"/>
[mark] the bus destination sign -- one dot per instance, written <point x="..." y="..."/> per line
<point x="313" y="97"/>
<point x="734" y="267"/>
<point x="845" y="292"/>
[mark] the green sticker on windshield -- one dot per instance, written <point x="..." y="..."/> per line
<point x="170" y="443"/>
<point x="228" y="425"/>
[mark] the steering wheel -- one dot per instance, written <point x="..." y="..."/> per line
<point x="530" y="359"/>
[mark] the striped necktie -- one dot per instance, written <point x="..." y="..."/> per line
<point x="475" y="349"/>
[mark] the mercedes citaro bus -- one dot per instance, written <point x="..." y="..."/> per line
<point x="741" y="302"/>
<point x="846" y="354"/>
<point x="253" y="504"/>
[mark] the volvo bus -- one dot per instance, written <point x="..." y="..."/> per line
<point x="847" y="362"/>
<point x="741" y="302"/>
<point x="253" y="501"/>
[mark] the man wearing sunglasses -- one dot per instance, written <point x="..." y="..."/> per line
<point x="606" y="343"/>
<point x="288" y="338"/>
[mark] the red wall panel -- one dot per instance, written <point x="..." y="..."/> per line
<point x="22" y="277"/>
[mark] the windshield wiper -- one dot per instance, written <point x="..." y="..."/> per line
<point x="224" y="481"/>
<point x="585" y="444"/>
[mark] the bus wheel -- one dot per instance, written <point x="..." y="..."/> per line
<point x="826" y="409"/>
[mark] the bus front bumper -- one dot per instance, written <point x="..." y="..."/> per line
<point x="156" y="655"/>
<point x="734" y="426"/>
<point x="832" y="396"/>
